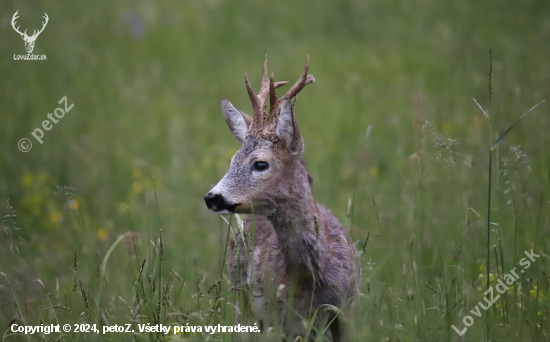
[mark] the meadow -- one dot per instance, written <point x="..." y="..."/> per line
<point x="104" y="222"/>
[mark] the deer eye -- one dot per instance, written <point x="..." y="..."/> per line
<point x="260" y="166"/>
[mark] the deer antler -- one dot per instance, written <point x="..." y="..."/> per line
<point x="259" y="101"/>
<point x="13" y="19"/>
<point x="35" y="34"/>
<point x="274" y="111"/>
<point x="43" y="26"/>
<point x="304" y="80"/>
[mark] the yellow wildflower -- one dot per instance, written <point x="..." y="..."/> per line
<point x="102" y="234"/>
<point x="72" y="204"/>
<point x="27" y="179"/>
<point x="137" y="187"/>
<point x="55" y="217"/>
<point x="374" y="172"/>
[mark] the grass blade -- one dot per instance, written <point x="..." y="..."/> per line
<point x="503" y="135"/>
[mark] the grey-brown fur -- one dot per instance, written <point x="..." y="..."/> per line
<point x="299" y="246"/>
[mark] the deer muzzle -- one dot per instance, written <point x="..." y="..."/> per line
<point x="218" y="204"/>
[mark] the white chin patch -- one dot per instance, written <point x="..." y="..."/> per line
<point x="222" y="212"/>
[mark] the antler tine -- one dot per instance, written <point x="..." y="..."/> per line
<point x="13" y="22"/>
<point x="258" y="117"/>
<point x="280" y="84"/>
<point x="43" y="24"/>
<point x="264" y="90"/>
<point x="14" y="18"/>
<point x="304" y="80"/>
<point x="273" y="100"/>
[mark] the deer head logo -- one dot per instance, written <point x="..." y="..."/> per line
<point x="29" y="41"/>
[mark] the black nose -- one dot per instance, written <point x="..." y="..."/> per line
<point x="217" y="202"/>
<point x="211" y="200"/>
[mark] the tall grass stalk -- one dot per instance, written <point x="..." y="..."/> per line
<point x="488" y="118"/>
<point x="488" y="115"/>
<point x="161" y="257"/>
<point x="220" y="280"/>
<point x="16" y="303"/>
<point x="103" y="270"/>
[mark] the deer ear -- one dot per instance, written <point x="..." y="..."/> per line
<point x="287" y="129"/>
<point x="237" y="121"/>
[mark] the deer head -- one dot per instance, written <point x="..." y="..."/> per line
<point x="29" y="41"/>
<point x="261" y="171"/>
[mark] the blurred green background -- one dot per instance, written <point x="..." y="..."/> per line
<point x="146" y="78"/>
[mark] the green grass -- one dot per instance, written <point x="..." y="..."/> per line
<point x="120" y="179"/>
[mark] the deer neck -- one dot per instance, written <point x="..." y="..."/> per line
<point x="296" y="224"/>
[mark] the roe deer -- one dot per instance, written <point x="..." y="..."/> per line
<point x="302" y="258"/>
